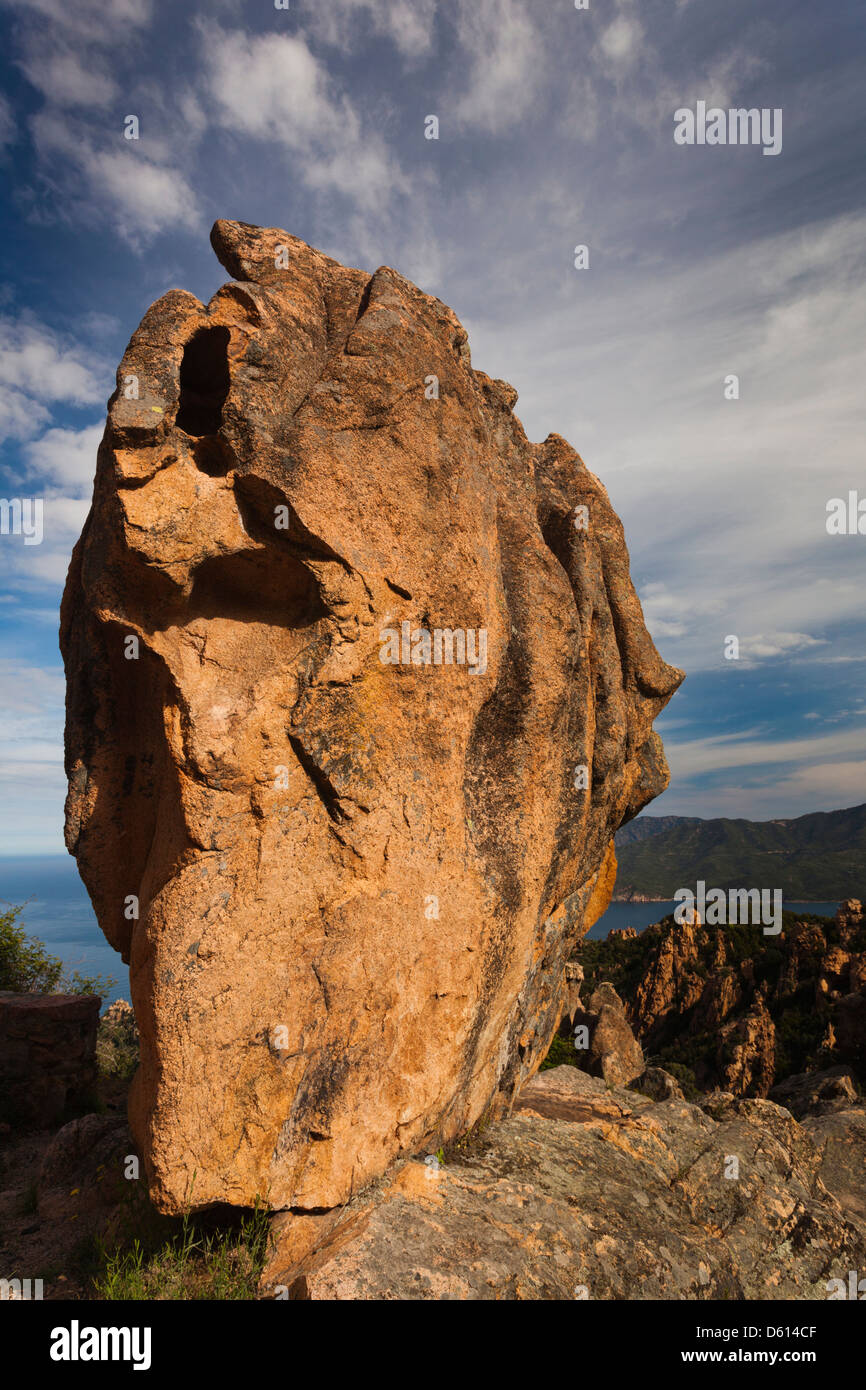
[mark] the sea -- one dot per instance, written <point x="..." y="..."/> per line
<point x="58" y="911"/>
<point x="641" y="915"/>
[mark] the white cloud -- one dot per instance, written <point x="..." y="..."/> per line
<point x="778" y="644"/>
<point x="20" y="416"/>
<point x="120" y="183"/>
<point x="723" y="502"/>
<point x="829" y="786"/>
<point x="67" y="458"/>
<point x="271" y="86"/>
<point x="27" y="692"/>
<point x="69" y="79"/>
<point x="342" y="23"/>
<point x="274" y="89"/>
<point x="85" y="62"/>
<point x="32" y="783"/>
<point x="37" y="360"/>
<point x="148" y="198"/>
<point x="99" y="21"/>
<point x="735" y="751"/>
<point x="62" y="464"/>
<point x="39" y="367"/>
<point x="29" y="569"/>
<point x="506" y="64"/>
<point x="621" y="42"/>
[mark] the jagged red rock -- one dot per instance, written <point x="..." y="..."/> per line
<point x="357" y="883"/>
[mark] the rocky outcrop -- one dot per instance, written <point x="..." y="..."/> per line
<point x="572" y="1004"/>
<point x="670" y="983"/>
<point x="589" y="1192"/>
<point x="47" y="1055"/>
<point x="658" y="1084"/>
<point x="727" y="1006"/>
<point x="359" y="691"/>
<point x="747" y="1052"/>
<point x="604" y="1043"/>
<point x="817" y="1092"/>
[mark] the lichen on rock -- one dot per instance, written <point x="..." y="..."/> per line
<point x="347" y="877"/>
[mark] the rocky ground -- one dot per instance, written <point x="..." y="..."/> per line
<point x="595" y="1191"/>
<point x="607" y="1181"/>
<point x="58" y="1189"/>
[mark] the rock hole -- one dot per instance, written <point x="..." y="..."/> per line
<point x="204" y="382"/>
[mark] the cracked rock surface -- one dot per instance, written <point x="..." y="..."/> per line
<point x="347" y="886"/>
<point x="590" y="1191"/>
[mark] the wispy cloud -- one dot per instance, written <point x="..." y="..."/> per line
<point x="66" y="459"/>
<point x="732" y="752"/>
<point x="274" y="89"/>
<point x="67" y="80"/>
<point x="506" y="69"/>
<point x="8" y="131"/>
<point x="147" y="198"/>
<point x="31" y="757"/>
<point x="346" y="24"/>
<point x="40" y="367"/>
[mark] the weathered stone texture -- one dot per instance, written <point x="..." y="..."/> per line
<point x="358" y="882"/>
<point x="592" y="1192"/>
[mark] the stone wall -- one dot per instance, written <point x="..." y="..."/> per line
<point x="47" y="1055"/>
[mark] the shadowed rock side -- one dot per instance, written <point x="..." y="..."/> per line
<point x="357" y="882"/>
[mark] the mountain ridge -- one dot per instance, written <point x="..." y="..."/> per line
<point x="819" y="856"/>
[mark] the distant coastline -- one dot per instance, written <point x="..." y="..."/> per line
<point x="644" y="913"/>
<point x="636" y="898"/>
<point x="58" y="911"/>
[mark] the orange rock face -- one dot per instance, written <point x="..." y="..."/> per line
<point x="359" y="692"/>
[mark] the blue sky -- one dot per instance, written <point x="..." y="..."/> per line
<point x="556" y="129"/>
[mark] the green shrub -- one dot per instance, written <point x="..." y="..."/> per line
<point x="117" y="1041"/>
<point x="27" y="967"/>
<point x="686" y="1077"/>
<point x="561" y="1053"/>
<point x="196" y="1261"/>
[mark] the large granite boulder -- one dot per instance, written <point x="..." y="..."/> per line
<point x="359" y="691"/>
